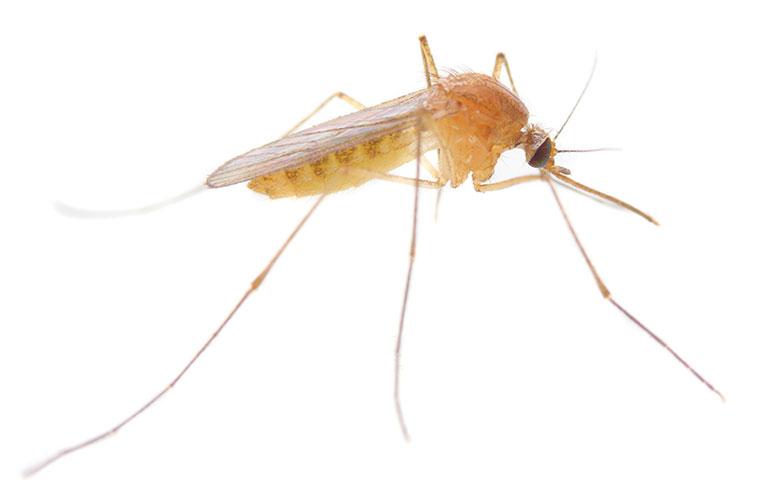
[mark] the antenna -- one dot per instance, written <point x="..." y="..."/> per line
<point x="589" y="150"/>
<point x="585" y="87"/>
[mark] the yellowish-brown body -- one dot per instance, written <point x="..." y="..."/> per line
<point x="328" y="174"/>
<point x="489" y="119"/>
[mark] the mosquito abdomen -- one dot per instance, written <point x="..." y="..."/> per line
<point x="332" y="172"/>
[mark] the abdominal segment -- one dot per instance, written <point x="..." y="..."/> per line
<point x="331" y="173"/>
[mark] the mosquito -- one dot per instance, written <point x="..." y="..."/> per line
<point x="470" y="119"/>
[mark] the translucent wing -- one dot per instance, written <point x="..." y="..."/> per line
<point x="313" y="143"/>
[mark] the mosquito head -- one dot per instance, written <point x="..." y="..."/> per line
<point x="539" y="147"/>
<point x="542" y="154"/>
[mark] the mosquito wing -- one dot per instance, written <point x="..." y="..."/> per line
<point x="313" y="143"/>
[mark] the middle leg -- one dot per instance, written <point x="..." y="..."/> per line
<point x="412" y="254"/>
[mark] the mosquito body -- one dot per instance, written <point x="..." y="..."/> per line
<point x="469" y="119"/>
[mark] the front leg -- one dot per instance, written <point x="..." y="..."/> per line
<point x="490" y="187"/>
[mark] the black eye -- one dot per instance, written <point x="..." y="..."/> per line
<point x="541" y="156"/>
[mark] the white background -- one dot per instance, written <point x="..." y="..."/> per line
<point x="513" y="367"/>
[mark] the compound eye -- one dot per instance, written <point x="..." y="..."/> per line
<point x="541" y="155"/>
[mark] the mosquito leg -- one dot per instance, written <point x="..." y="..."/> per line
<point x="388" y="177"/>
<point x="430" y="168"/>
<point x="412" y="253"/>
<point x="439" y="181"/>
<point x="501" y="61"/>
<point x="438" y="195"/>
<point x="340" y="95"/>
<point x="490" y="187"/>
<point x="431" y="73"/>
<point x="70" y="211"/>
<point x="569" y="181"/>
<point x="254" y="285"/>
<point x="607" y="296"/>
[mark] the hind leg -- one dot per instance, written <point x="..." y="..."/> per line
<point x="340" y="95"/>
